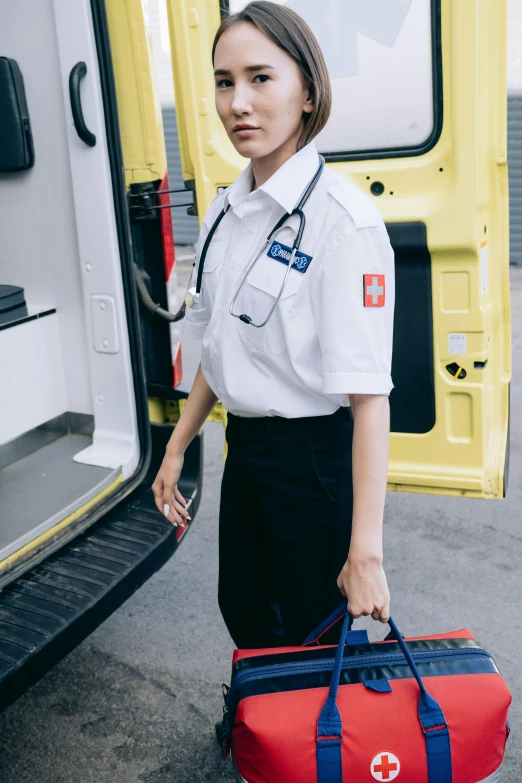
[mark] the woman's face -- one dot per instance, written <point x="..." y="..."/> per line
<point x="260" y="94"/>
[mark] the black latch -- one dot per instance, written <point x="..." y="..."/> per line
<point x="456" y="370"/>
<point x="190" y="184"/>
<point x="144" y="201"/>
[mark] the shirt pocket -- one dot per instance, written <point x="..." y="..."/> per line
<point x="259" y="294"/>
<point x="197" y="320"/>
<point x="211" y="272"/>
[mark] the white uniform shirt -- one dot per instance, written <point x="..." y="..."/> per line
<point x="322" y="342"/>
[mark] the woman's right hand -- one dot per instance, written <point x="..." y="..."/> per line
<point x="200" y="402"/>
<point x="167" y="496"/>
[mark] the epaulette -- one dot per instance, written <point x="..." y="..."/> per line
<point x="359" y="206"/>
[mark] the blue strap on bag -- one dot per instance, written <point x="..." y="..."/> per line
<point x="352" y="637"/>
<point x="330" y="728"/>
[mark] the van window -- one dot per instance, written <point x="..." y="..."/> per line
<point x="381" y="61"/>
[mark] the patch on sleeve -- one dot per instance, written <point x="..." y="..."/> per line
<point x="373" y="290"/>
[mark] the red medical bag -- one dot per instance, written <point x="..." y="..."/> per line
<point x="430" y="709"/>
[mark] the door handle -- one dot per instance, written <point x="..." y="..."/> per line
<point x="75" y="78"/>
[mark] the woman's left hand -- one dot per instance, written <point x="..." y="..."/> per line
<point x="363" y="582"/>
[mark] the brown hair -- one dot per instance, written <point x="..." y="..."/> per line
<point x="291" y="33"/>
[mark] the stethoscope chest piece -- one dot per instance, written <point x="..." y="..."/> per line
<point x="195" y="300"/>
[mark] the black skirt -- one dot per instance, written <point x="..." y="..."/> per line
<point x="284" y="525"/>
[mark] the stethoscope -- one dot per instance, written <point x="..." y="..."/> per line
<point x="194" y="297"/>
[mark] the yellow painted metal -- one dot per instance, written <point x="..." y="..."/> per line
<point x="139" y="111"/>
<point x="206" y="153"/>
<point x="157" y="410"/>
<point x="174" y="409"/>
<point x="46" y="537"/>
<point x="459" y="189"/>
<point x="218" y="414"/>
<point x="464" y="206"/>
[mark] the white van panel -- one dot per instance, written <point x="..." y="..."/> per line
<point x="58" y="235"/>
<point x="38" y="241"/>
<point x="35" y="391"/>
<point x="115" y="435"/>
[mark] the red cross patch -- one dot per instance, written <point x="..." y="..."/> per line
<point x="373" y="290"/>
<point x="385" y="766"/>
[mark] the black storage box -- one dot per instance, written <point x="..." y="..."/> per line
<point x="16" y="141"/>
<point x="12" y="303"/>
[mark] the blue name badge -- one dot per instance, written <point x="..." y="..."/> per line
<point x="283" y="253"/>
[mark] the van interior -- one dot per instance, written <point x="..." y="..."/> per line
<point x="68" y="429"/>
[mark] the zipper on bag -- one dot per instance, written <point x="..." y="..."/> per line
<point x="327" y="664"/>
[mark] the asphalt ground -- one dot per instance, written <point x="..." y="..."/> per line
<point x="137" y="701"/>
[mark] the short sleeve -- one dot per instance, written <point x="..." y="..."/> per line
<point x="355" y="301"/>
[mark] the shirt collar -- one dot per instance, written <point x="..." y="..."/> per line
<point x="285" y="186"/>
<point x="239" y="190"/>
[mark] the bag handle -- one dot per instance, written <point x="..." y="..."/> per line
<point x="330" y="729"/>
<point x="352" y="637"/>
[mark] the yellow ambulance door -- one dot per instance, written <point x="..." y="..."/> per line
<point x="418" y="123"/>
<point x="207" y="156"/>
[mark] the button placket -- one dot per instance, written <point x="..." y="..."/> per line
<point x="244" y="243"/>
<point x="239" y="248"/>
<point x="247" y="239"/>
<point x="217" y="316"/>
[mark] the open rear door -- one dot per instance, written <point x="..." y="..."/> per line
<point x="79" y="529"/>
<point x="73" y="409"/>
<point x="207" y="156"/>
<point x="419" y="123"/>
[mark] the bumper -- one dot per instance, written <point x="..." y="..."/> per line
<point x="51" y="608"/>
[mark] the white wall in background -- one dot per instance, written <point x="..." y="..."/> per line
<point x="514" y="47"/>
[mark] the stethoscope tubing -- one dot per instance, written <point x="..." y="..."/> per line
<point x="243" y="316"/>
<point x="298" y="210"/>
<point x="206" y="245"/>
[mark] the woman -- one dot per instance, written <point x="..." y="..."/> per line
<point x="294" y="529"/>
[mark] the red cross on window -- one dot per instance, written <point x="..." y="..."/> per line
<point x="386" y="767"/>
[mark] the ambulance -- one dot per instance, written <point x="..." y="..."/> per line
<point x="90" y="315"/>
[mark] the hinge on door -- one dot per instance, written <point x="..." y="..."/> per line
<point x="143" y="200"/>
<point x="190" y="184"/>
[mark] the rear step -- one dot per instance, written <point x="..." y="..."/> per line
<point x="49" y="610"/>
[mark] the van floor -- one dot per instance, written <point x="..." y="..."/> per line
<point x="42" y="488"/>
